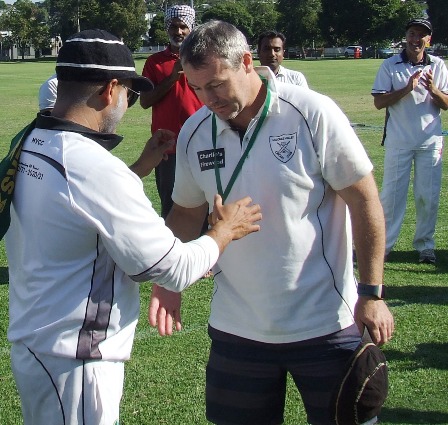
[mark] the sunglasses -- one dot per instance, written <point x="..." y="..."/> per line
<point x="132" y="95"/>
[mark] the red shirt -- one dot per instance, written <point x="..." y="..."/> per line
<point x="179" y="103"/>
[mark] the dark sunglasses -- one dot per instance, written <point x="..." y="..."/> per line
<point x="132" y="95"/>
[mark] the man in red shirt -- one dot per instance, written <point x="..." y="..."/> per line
<point x="172" y="100"/>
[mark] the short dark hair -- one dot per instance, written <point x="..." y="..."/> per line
<point x="270" y="34"/>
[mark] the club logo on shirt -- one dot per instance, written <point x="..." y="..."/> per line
<point x="283" y="147"/>
<point x="207" y="159"/>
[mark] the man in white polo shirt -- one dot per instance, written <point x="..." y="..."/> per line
<point x="271" y="50"/>
<point x="83" y="235"/>
<point x="413" y="87"/>
<point x="285" y="299"/>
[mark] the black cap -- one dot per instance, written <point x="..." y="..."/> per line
<point x="420" y="22"/>
<point x="96" y="55"/>
<point x="363" y="387"/>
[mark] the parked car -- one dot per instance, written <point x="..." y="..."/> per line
<point x="350" y="51"/>
<point x="380" y="52"/>
<point x="293" y="53"/>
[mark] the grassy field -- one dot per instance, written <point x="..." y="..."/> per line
<point x="165" y="377"/>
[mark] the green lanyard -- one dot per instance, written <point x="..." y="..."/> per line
<point x="239" y="166"/>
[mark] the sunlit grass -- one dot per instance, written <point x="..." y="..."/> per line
<point x="165" y="376"/>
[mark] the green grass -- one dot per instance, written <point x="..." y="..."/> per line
<point x="165" y="376"/>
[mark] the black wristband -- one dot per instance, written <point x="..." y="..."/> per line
<point x="378" y="291"/>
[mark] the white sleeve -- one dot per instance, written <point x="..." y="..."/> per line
<point x="112" y="199"/>
<point x="186" y="192"/>
<point x="383" y="80"/>
<point x="342" y="157"/>
<point x="48" y="93"/>
<point x="441" y="76"/>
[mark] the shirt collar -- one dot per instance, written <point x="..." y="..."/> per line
<point x="107" y="140"/>
<point x="281" y="70"/>
<point x="168" y="52"/>
<point x="405" y="59"/>
<point x="274" y="107"/>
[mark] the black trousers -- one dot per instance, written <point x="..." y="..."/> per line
<point x="165" y="182"/>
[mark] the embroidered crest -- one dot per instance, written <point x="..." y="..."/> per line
<point x="283" y="147"/>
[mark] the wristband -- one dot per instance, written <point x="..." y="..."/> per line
<point x="378" y="291"/>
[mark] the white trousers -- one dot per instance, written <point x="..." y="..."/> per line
<point x="427" y="182"/>
<point x="63" y="391"/>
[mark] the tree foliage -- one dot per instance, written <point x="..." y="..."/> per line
<point x="365" y="21"/>
<point x="299" y="21"/>
<point x="123" y="18"/>
<point x="305" y="23"/>
<point x="24" y="21"/>
<point x="157" y="33"/>
<point x="438" y="13"/>
<point x="234" y="13"/>
<point x="265" y="15"/>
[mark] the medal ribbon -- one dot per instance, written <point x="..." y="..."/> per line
<point x="239" y="166"/>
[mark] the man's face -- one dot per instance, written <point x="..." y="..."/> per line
<point x="224" y="90"/>
<point x="177" y="31"/>
<point x="417" y="37"/>
<point x="271" y="53"/>
<point x="116" y="110"/>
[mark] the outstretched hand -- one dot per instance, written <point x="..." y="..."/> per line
<point x="234" y="220"/>
<point x="164" y="310"/>
<point x="154" y="152"/>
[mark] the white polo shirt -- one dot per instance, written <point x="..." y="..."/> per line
<point x="82" y="234"/>
<point x="414" y="121"/>
<point x="286" y="75"/>
<point x="47" y="93"/>
<point x="294" y="279"/>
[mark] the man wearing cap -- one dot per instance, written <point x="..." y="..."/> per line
<point x="172" y="100"/>
<point x="413" y="87"/>
<point x="83" y="234"/>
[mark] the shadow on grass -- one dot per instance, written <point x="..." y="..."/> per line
<point x="417" y="294"/>
<point x="4" y="276"/>
<point x="412" y="416"/>
<point x="396" y="258"/>
<point x="427" y="355"/>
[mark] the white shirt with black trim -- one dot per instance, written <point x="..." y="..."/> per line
<point x="294" y="279"/>
<point x="82" y="234"/>
<point x="414" y="121"/>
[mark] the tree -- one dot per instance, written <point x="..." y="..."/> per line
<point x="123" y="18"/>
<point x="437" y="13"/>
<point x="157" y="32"/>
<point x="234" y="13"/>
<point x="365" y="22"/>
<point x="68" y="16"/>
<point x="299" y="21"/>
<point x="265" y="15"/>
<point x="26" y="22"/>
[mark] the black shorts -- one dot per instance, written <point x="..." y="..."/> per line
<point x="246" y="380"/>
